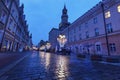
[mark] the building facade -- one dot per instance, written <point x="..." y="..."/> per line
<point x="97" y="31"/>
<point x="14" y="34"/>
<point x="54" y="33"/>
<point x="64" y="19"/>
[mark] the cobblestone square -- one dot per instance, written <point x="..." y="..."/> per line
<point x="50" y="66"/>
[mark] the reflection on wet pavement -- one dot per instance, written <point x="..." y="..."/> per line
<point x="50" y="66"/>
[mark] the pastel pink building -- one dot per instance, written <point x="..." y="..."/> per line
<point x="97" y="31"/>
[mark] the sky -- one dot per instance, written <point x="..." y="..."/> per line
<point x="43" y="15"/>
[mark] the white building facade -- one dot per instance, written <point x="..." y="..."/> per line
<point x="97" y="31"/>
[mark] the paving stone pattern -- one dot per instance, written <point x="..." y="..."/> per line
<point x="46" y="66"/>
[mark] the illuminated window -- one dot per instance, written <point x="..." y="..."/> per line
<point x="118" y="8"/>
<point x="107" y="14"/>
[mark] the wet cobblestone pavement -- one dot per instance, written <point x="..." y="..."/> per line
<point x="46" y="66"/>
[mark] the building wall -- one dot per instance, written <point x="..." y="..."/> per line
<point x="13" y="27"/>
<point x="87" y="33"/>
<point x="53" y="34"/>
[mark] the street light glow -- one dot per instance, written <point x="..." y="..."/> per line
<point x="62" y="40"/>
<point x="42" y="47"/>
<point x="48" y="45"/>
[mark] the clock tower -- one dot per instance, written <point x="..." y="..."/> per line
<point x="64" y="19"/>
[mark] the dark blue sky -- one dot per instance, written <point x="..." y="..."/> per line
<point x="43" y="15"/>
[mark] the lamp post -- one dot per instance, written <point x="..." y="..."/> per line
<point x="48" y="46"/>
<point x="62" y="40"/>
<point x="42" y="48"/>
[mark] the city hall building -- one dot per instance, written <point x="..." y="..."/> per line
<point x="97" y="31"/>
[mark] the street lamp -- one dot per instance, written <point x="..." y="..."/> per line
<point x="62" y="40"/>
<point x="48" y="46"/>
<point x="42" y="47"/>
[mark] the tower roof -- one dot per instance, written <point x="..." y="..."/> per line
<point x="64" y="7"/>
<point x="64" y="19"/>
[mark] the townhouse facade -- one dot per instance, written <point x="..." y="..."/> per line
<point x="97" y="31"/>
<point x="14" y="34"/>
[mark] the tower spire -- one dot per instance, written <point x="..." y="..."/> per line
<point x="64" y="19"/>
<point x="64" y="6"/>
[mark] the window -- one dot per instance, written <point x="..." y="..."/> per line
<point x="80" y="36"/>
<point x="81" y="48"/>
<point x="86" y="24"/>
<point x="5" y="42"/>
<point x="112" y="47"/>
<point x="10" y="24"/>
<point x="74" y="30"/>
<point x="107" y="14"/>
<point x="80" y="28"/>
<point x="98" y="48"/>
<point x="95" y="20"/>
<point x="13" y="11"/>
<point x="3" y="16"/>
<point x="14" y="28"/>
<point x="118" y="8"/>
<point x="109" y="28"/>
<point x="7" y="3"/>
<point x="96" y="32"/>
<point x="74" y="38"/>
<point x="87" y="34"/>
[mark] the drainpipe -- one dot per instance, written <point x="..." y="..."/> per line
<point x="106" y="34"/>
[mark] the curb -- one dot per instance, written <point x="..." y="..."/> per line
<point x="7" y="68"/>
<point x="110" y="63"/>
